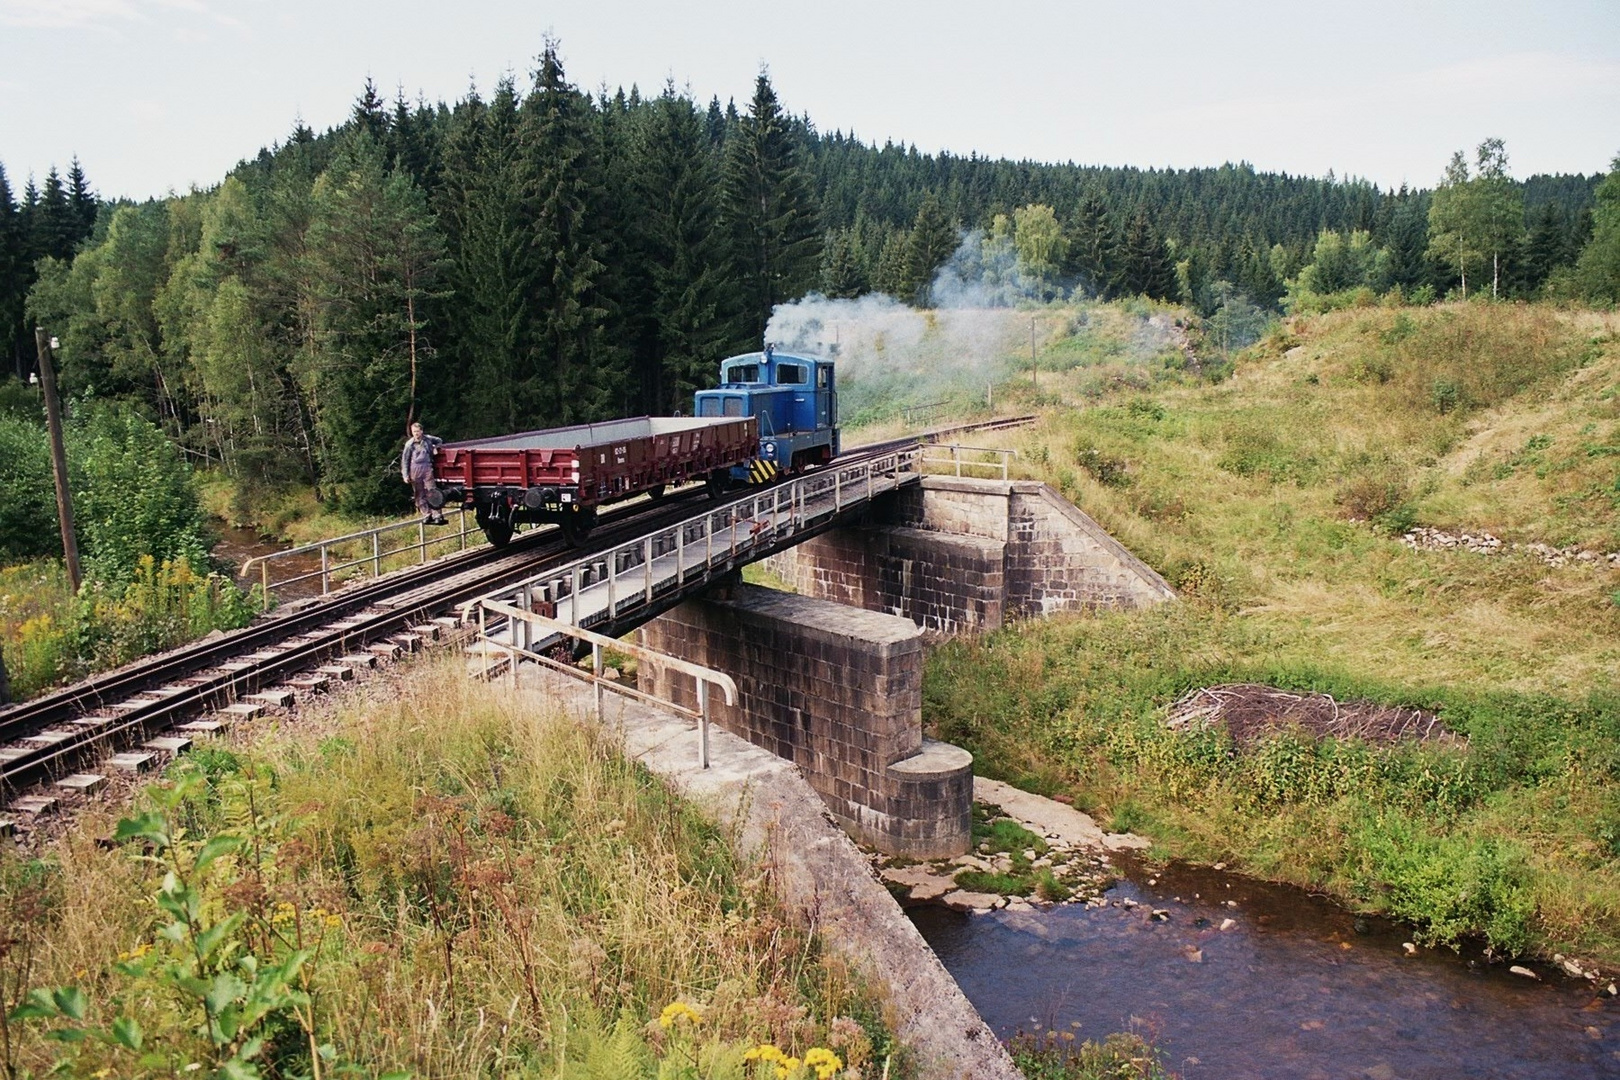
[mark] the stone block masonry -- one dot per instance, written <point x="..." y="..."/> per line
<point x="838" y="691"/>
<point x="964" y="554"/>
<point x="945" y="584"/>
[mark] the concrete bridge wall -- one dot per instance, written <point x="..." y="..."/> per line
<point x="838" y="691"/>
<point x="960" y="554"/>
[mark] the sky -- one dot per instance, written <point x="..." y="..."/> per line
<point x="155" y="96"/>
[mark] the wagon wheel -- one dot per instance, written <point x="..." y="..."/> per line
<point x="576" y="527"/>
<point x="717" y="483"/>
<point x="498" y="530"/>
<point x="655" y="492"/>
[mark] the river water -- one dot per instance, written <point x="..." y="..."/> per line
<point x="1295" y="987"/>
<point x="236" y="545"/>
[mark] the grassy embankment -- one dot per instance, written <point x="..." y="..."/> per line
<point x="441" y="884"/>
<point x="1274" y="501"/>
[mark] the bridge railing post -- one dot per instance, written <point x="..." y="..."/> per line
<point x="647" y="563"/>
<point x="703" y="723"/>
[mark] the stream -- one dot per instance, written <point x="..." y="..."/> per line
<point x="1295" y="987"/>
<point x="238" y="544"/>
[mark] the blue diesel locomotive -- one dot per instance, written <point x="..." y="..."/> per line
<point x="795" y="400"/>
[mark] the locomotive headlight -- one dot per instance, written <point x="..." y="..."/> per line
<point x="770" y="448"/>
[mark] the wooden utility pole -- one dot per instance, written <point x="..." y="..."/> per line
<point x="53" y="420"/>
<point x="1034" y="365"/>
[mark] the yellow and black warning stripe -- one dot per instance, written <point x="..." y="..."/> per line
<point x="761" y="471"/>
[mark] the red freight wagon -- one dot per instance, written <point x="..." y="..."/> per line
<point x="562" y="475"/>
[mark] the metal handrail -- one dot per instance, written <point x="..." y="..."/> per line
<point x="553" y="632"/>
<point x="958" y="464"/>
<point x="922" y="414"/>
<point x="633" y="574"/>
<point x="374" y="559"/>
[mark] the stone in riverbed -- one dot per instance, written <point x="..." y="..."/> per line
<point x="923" y="884"/>
<point x="963" y="900"/>
<point x="1524" y="972"/>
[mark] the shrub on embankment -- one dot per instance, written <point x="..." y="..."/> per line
<point x="143" y="538"/>
<point x="1274" y="501"/>
<point x="442" y="885"/>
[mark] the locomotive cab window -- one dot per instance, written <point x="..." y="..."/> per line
<point x="823" y="376"/>
<point x="790" y="375"/>
<point x="742" y="373"/>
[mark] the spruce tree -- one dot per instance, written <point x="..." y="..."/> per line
<point x="486" y="202"/>
<point x="692" y="302"/>
<point x="11" y="288"/>
<point x="931" y="243"/>
<point x="572" y="371"/>
<point x="1148" y="269"/>
<point x="1407" y="241"/>
<point x="769" y="208"/>
<point x="1093" y="248"/>
<point x="370" y="114"/>
<point x="843" y="276"/>
<point x="54" y="225"/>
<point x="81" y="201"/>
<point x="377" y="251"/>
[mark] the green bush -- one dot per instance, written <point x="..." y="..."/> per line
<point x="28" y="526"/>
<point x="1451" y="886"/>
<point x="134" y="495"/>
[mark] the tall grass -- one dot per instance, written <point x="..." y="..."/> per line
<point x="479" y="890"/>
<point x="51" y="635"/>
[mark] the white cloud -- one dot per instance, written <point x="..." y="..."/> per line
<point x="64" y="14"/>
<point x="100" y="14"/>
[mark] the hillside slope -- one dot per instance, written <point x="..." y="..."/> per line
<point x="1301" y="506"/>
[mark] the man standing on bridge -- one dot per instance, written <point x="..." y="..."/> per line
<point x="416" y="469"/>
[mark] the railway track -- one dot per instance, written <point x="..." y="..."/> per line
<point x="129" y="717"/>
<point x="51" y="737"/>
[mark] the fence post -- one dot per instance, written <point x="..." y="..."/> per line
<point x="703" y="723"/>
<point x="646" y="562"/>
<point x="264" y="581"/>
<point x="596" y="670"/>
<point x="376" y="554"/>
<point x="326" y="577"/>
<point x="421" y="541"/>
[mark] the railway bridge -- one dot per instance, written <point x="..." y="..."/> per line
<point x="829" y="676"/>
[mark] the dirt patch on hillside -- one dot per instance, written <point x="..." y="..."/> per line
<point x="1249" y="712"/>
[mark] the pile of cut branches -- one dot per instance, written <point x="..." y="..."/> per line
<point x="1250" y="711"/>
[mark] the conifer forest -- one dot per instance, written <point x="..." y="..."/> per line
<point x="543" y="255"/>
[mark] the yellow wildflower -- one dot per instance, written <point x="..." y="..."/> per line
<point x="824" y="1061"/>
<point x="283" y="912"/>
<point x="674" y="1011"/>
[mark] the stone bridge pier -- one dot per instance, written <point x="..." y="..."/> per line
<point x="838" y="691"/>
<point x="830" y="676"/>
